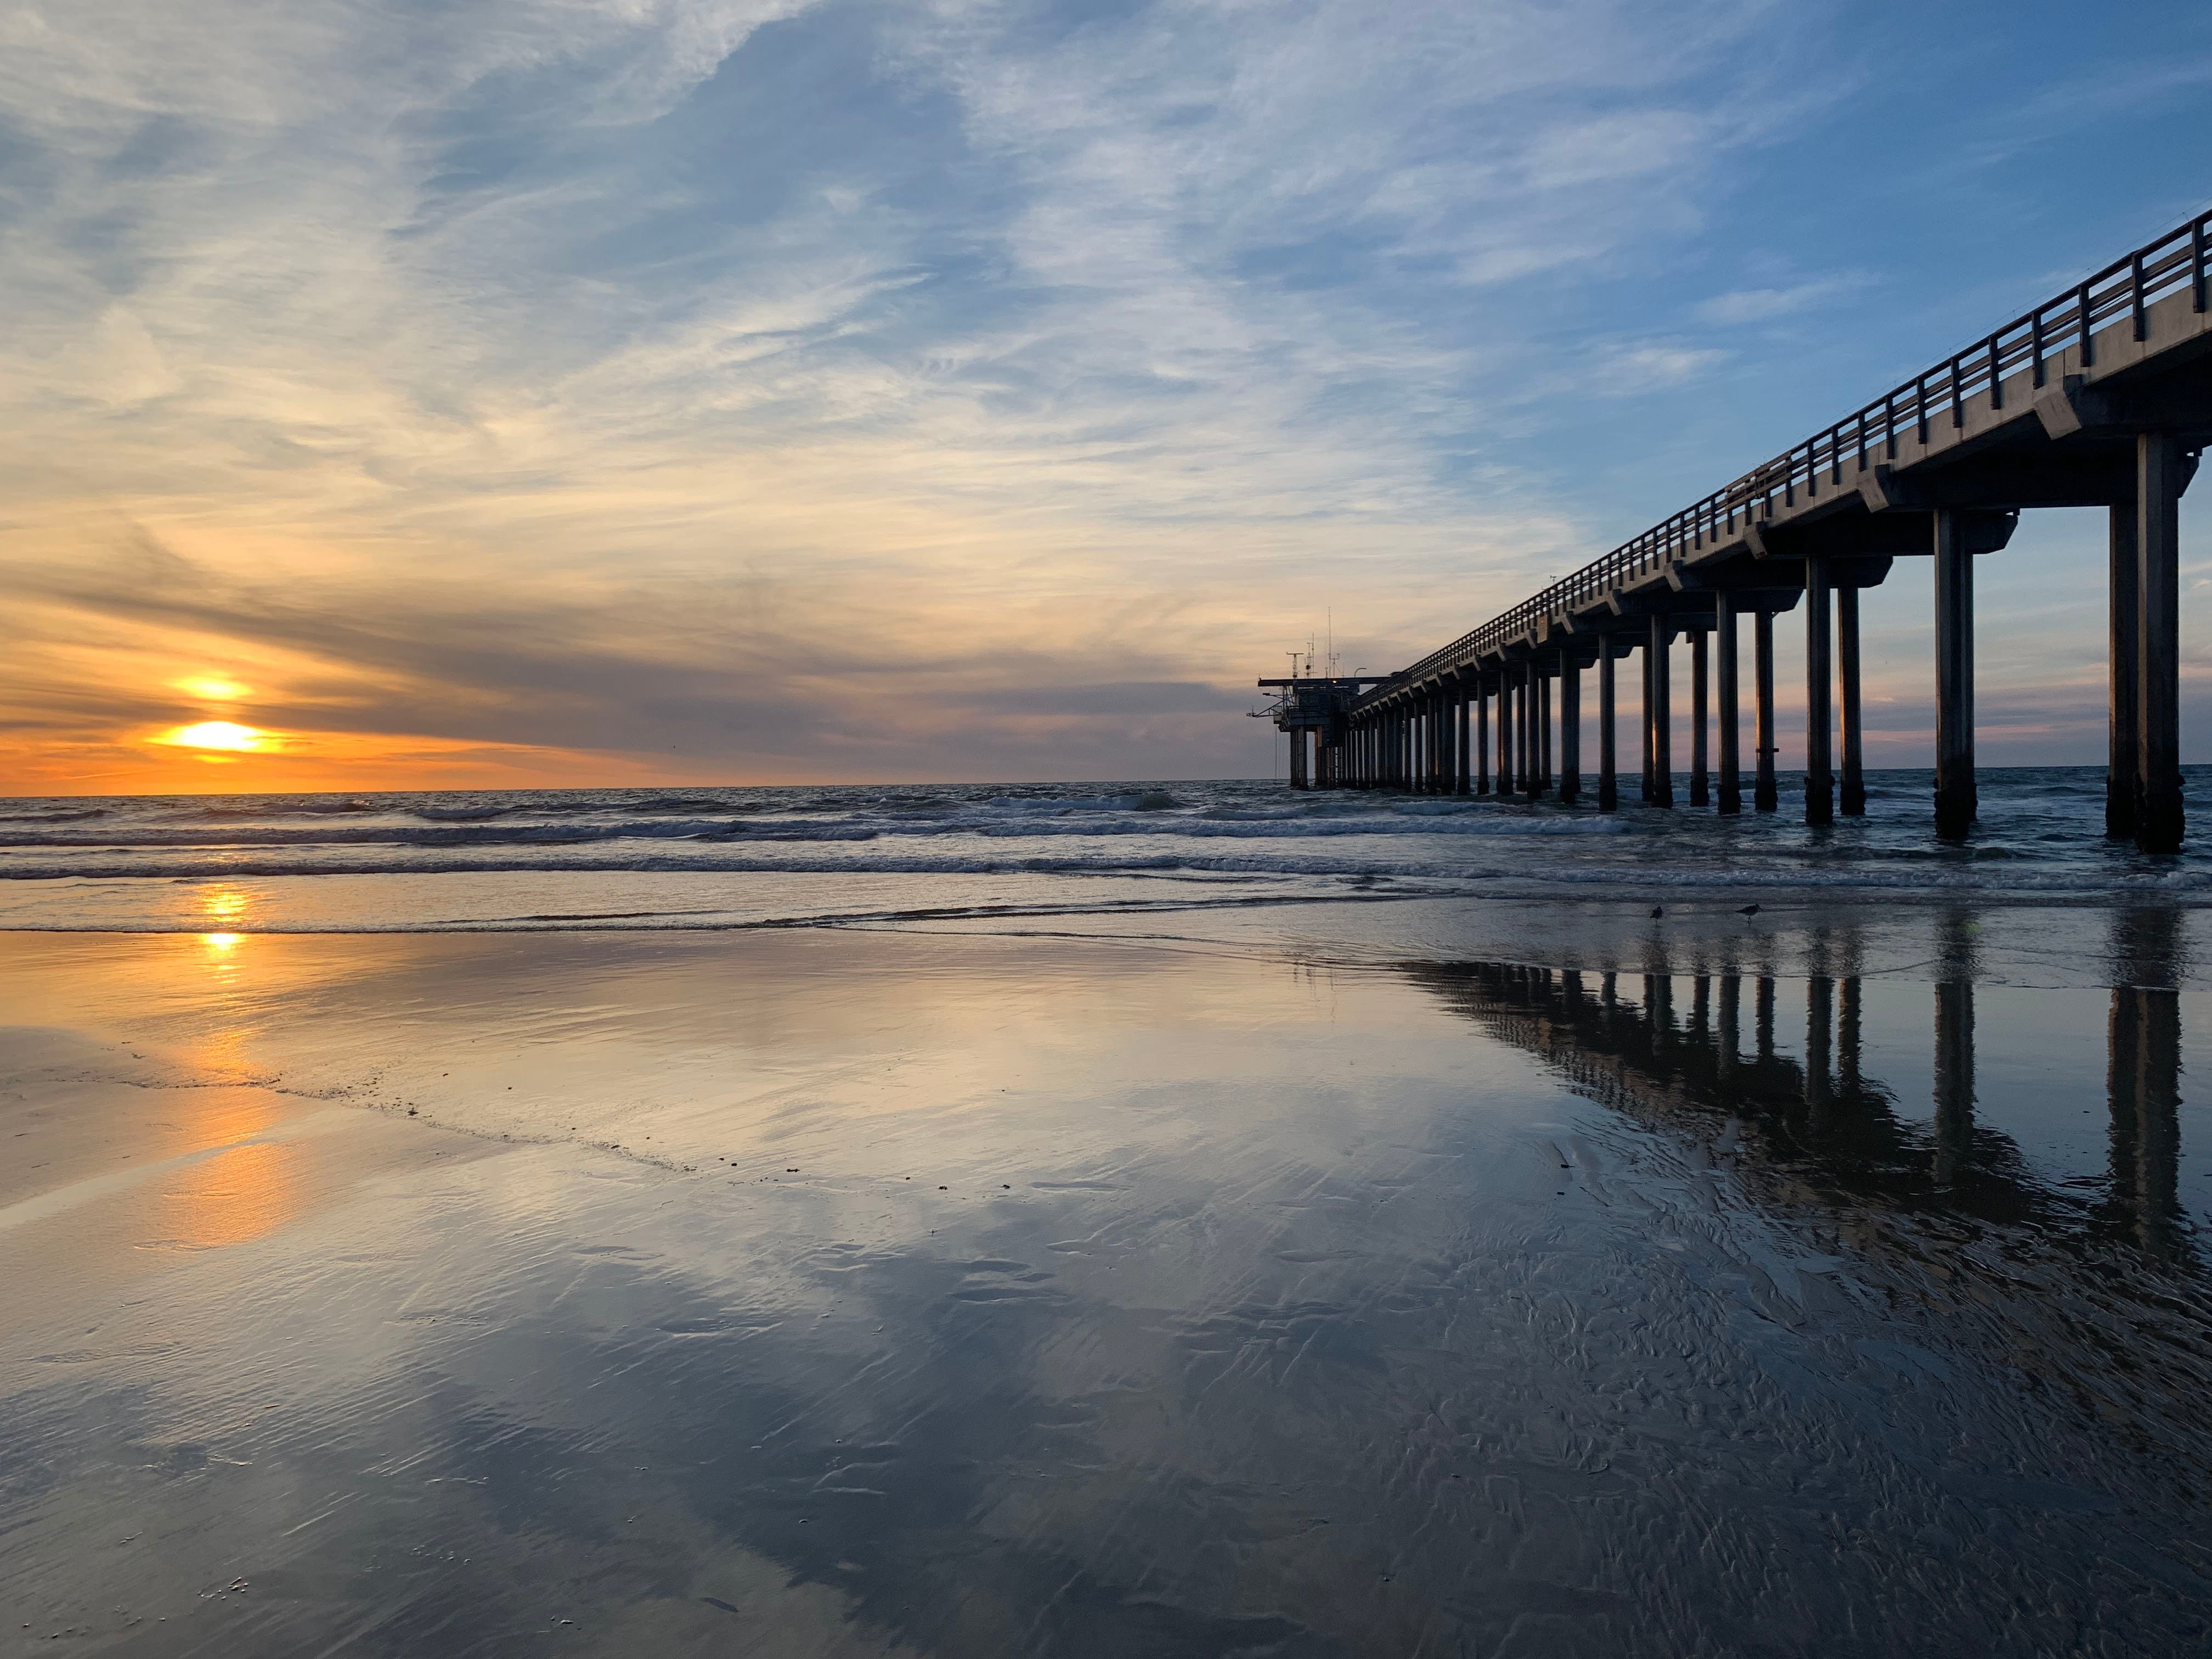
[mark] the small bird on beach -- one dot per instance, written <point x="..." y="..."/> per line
<point x="1658" y="911"/>
<point x="1748" y="910"/>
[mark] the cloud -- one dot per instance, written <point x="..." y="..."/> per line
<point x="1761" y="305"/>
<point x="547" y="371"/>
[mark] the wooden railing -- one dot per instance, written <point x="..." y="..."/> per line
<point x="1940" y="394"/>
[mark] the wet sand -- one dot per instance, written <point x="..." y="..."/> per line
<point x="1555" y="1283"/>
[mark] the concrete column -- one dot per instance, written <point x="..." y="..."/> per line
<point x="2159" y="481"/>
<point x="1700" y="784"/>
<point x="1298" y="737"/>
<point x="1524" y="773"/>
<point x="1644" y="723"/>
<point x="1448" y="744"/>
<point x="1481" y="739"/>
<point x="1662" y="716"/>
<point x="2123" y="731"/>
<point x="1819" y="684"/>
<point x="1955" y="795"/>
<point x="1731" y="801"/>
<point x="1609" y="785"/>
<point x="1466" y="742"/>
<point x="1764" y="797"/>
<point x="1505" y="719"/>
<point x="1543" y="729"/>
<point x="1847" y="664"/>
<point x="1570" y="728"/>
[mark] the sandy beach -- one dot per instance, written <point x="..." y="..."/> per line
<point x="841" y="1291"/>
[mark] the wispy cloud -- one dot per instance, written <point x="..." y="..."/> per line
<point x="978" y="384"/>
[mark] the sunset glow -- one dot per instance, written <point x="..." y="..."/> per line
<point x="214" y="689"/>
<point x="228" y="735"/>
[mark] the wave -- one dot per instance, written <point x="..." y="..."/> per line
<point x="1518" y="878"/>
<point x="467" y="827"/>
<point x="54" y="818"/>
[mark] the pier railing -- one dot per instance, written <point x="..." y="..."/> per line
<point x="1940" y="394"/>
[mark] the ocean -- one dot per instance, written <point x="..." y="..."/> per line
<point x="1151" y="1217"/>
<point x="718" y="857"/>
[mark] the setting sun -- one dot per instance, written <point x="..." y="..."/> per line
<point x="218" y="734"/>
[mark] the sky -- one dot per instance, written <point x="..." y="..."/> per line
<point x="531" y="392"/>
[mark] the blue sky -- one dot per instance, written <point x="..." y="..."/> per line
<point x="546" y="390"/>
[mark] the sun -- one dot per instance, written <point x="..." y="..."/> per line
<point x="227" y="735"/>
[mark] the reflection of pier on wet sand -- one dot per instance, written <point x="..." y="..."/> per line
<point x="1678" y="1050"/>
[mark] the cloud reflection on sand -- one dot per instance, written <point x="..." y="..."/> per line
<point x="1270" y="1305"/>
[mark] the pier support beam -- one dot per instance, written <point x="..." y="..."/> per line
<point x="1481" y="738"/>
<point x="1298" y="737"/>
<point x="2159" y="479"/>
<point x="1608" y="784"/>
<point x="1543" y="729"/>
<point x="1570" y="728"/>
<point x="1956" y="796"/>
<point x="1505" y="733"/>
<point x="1731" y="801"/>
<point x="2123" y="732"/>
<point x="1643" y="725"/>
<point x="1661" y="714"/>
<point x="1465" y="724"/>
<point x="1764" y="797"/>
<point x="1847" y="663"/>
<point x="1700" y="781"/>
<point x="1820" y="683"/>
<point x="1525" y="735"/>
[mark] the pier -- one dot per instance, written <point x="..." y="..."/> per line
<point x="2100" y="397"/>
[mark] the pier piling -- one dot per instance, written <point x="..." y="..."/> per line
<point x="1731" y="801"/>
<point x="1955" y="793"/>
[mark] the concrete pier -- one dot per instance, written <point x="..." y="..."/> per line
<point x="2100" y="397"/>
<point x="2159" y="479"/>
<point x="2122" y="736"/>
<point x="1956" y="796"/>
<point x="1731" y="715"/>
<point x="1820" y="669"/>
<point x="1700" y="781"/>
<point x="1847" y="662"/>
<point x="1543" y="729"/>
<point x="1608" y="779"/>
<point x="1481" y="739"/>
<point x="1765" y="797"/>
<point x="1570" y="728"/>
